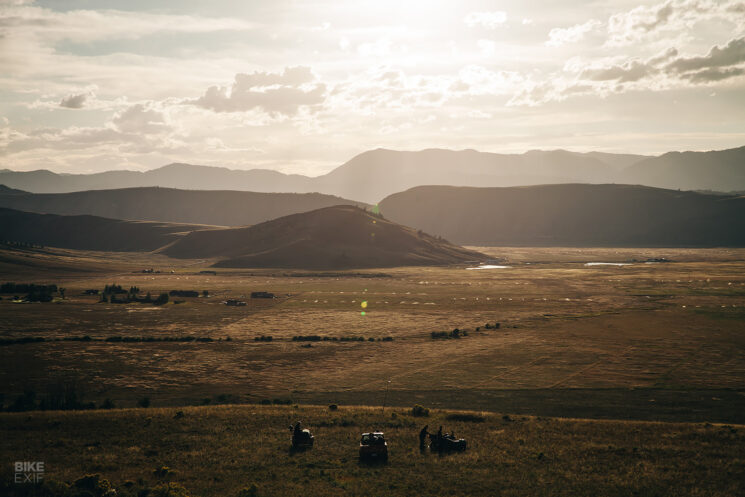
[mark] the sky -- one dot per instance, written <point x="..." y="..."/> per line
<point x="301" y="87"/>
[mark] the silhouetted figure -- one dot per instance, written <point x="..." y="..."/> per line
<point x="439" y="435"/>
<point x="422" y="436"/>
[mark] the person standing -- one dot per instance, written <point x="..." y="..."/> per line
<point x="422" y="437"/>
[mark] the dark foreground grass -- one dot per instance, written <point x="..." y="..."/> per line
<point x="218" y="451"/>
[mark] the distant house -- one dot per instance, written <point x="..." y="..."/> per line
<point x="234" y="302"/>
<point x="262" y="295"/>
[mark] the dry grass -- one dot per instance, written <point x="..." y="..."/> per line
<point x="216" y="451"/>
<point x="564" y="325"/>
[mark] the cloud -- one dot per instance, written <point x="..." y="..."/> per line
<point x="141" y="118"/>
<point x="712" y="75"/>
<point x="91" y="25"/>
<point x="488" y="20"/>
<point x="664" y="71"/>
<point x="629" y="71"/>
<point x="672" y="17"/>
<point x="277" y="94"/>
<point x="731" y="54"/>
<point x="74" y="101"/>
<point x="573" y="34"/>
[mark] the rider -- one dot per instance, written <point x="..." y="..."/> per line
<point x="422" y="435"/>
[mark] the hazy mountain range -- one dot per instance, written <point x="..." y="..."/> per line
<point x="216" y="207"/>
<point x="373" y="175"/>
<point x="571" y="215"/>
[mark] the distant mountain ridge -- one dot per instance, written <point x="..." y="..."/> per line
<point x="215" y="207"/>
<point x="375" y="174"/>
<point x="571" y="215"/>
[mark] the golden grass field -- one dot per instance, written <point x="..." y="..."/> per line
<point x="221" y="450"/>
<point x="564" y="325"/>
<point x="645" y="342"/>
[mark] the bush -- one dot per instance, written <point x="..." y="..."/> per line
<point x="144" y="402"/>
<point x="251" y="491"/>
<point x="168" y="490"/>
<point x="162" y="471"/>
<point x="162" y="299"/>
<point x="108" y="404"/>
<point x="419" y="411"/>
<point x="333" y="407"/>
<point x="94" y="485"/>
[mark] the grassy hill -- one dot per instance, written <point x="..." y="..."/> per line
<point x="330" y="238"/>
<point x="239" y="451"/>
<point x="88" y="232"/>
<point x="216" y="207"/>
<point x="571" y="215"/>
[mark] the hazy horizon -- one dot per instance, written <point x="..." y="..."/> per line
<point x="302" y="88"/>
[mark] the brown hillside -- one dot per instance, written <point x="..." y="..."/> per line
<point x="88" y="232"/>
<point x="330" y="238"/>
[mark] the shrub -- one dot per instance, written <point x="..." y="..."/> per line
<point x="162" y="471"/>
<point x="162" y="299"/>
<point x="144" y="402"/>
<point x="168" y="490"/>
<point x="108" y="404"/>
<point x="94" y="485"/>
<point x="419" y="411"/>
<point x="333" y="407"/>
<point x="251" y="491"/>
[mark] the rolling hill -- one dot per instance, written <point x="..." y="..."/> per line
<point x="88" y="232"/>
<point x="330" y="238"/>
<point x="571" y="215"/>
<point x="224" y="208"/>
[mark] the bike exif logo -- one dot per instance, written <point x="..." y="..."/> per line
<point x="29" y="471"/>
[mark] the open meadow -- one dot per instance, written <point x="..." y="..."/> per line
<point x="643" y="340"/>
<point x="240" y="451"/>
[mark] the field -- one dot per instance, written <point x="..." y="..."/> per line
<point x="650" y="354"/>
<point x="221" y="450"/>
<point x="645" y="341"/>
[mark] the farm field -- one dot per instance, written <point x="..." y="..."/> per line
<point x="653" y="341"/>
<point x="244" y="450"/>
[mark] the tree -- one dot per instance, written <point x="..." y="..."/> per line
<point x="162" y="299"/>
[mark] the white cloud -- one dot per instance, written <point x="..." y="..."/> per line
<point x="277" y="94"/>
<point x="671" y="17"/>
<point x="573" y="34"/>
<point x="488" y="20"/>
